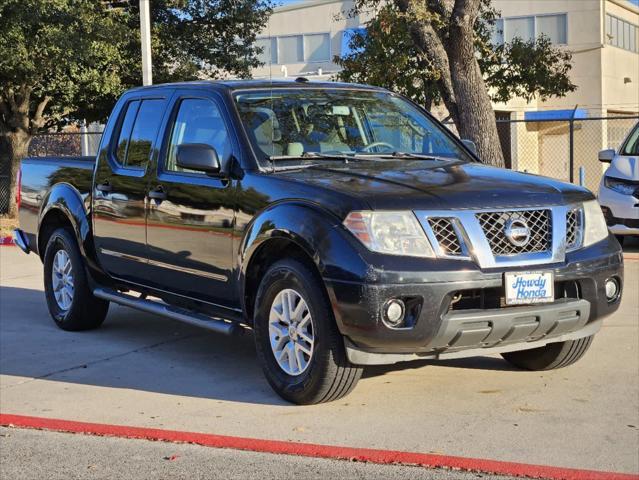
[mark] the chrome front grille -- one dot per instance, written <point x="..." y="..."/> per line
<point x="493" y="238"/>
<point x="494" y="225"/>
<point x="446" y="235"/>
<point x="574" y="228"/>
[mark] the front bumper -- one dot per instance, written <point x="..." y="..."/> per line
<point x="439" y="330"/>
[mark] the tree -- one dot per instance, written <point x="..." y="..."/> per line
<point x="68" y="60"/>
<point x="202" y="39"/>
<point x="58" y="58"/>
<point x="441" y="50"/>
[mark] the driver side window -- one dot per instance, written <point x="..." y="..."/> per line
<point x="198" y="120"/>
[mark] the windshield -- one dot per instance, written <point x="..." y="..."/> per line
<point x="296" y="123"/>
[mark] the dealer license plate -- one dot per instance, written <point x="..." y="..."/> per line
<point x="529" y="287"/>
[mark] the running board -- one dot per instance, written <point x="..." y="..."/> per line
<point x="160" y="308"/>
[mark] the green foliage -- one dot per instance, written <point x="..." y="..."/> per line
<point x="81" y="54"/>
<point x="195" y="39"/>
<point x="66" y="51"/>
<point x="387" y="56"/>
<point x="528" y="69"/>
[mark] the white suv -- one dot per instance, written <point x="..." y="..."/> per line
<point x="619" y="188"/>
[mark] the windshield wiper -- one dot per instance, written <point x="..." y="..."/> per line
<point x="421" y="156"/>
<point x="312" y="156"/>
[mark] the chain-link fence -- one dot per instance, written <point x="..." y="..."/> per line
<point x="55" y="144"/>
<point x="5" y="172"/>
<point x="65" y="144"/>
<point x="563" y="149"/>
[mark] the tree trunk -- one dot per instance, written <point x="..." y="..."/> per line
<point x="476" y="118"/>
<point x="451" y="50"/>
<point x="15" y="146"/>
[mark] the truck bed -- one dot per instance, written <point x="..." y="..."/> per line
<point x="40" y="174"/>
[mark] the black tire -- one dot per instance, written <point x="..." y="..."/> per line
<point x="551" y="356"/>
<point x="85" y="311"/>
<point x="329" y="375"/>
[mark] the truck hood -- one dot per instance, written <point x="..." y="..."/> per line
<point x="416" y="185"/>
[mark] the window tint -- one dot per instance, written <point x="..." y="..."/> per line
<point x="125" y="131"/>
<point x="144" y="132"/>
<point x="198" y="121"/>
<point x="289" y="123"/>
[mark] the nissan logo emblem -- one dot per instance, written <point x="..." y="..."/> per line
<point x="517" y="232"/>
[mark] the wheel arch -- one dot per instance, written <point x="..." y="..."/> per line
<point x="63" y="206"/>
<point x="302" y="231"/>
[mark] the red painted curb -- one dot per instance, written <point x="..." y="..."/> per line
<point x="312" y="450"/>
<point x="6" y="241"/>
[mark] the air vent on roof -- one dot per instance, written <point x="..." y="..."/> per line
<point x="301" y="79"/>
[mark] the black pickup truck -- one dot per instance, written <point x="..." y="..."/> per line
<point x="341" y="223"/>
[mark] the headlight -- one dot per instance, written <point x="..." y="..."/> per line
<point x="393" y="233"/>
<point x="625" y="187"/>
<point x="595" y="228"/>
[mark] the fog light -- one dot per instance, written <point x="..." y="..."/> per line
<point x="393" y="313"/>
<point x="612" y="289"/>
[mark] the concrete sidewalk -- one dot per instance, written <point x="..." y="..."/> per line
<point x="148" y="371"/>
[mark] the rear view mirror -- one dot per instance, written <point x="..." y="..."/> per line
<point x="606" y="155"/>
<point x="470" y="145"/>
<point x="198" y="156"/>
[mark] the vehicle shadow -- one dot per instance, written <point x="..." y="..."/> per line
<point x="134" y="350"/>
<point x="476" y="363"/>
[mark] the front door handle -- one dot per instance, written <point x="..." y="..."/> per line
<point x="158" y="193"/>
<point x="104" y="186"/>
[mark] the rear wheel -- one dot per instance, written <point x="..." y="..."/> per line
<point x="69" y="298"/>
<point x="551" y="356"/>
<point x="297" y="341"/>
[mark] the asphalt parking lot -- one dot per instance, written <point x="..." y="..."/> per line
<point x="146" y="371"/>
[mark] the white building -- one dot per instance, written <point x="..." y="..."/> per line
<point x="603" y="36"/>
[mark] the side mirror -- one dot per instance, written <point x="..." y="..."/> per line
<point x="607" y="155"/>
<point x="470" y="145"/>
<point x="198" y="156"/>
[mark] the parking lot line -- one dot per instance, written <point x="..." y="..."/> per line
<point x="312" y="450"/>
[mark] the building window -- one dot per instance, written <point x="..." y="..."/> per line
<point x="314" y="47"/>
<point x="523" y="28"/>
<point x="290" y="49"/>
<point x="553" y="26"/>
<point x="269" y="50"/>
<point x="622" y="34"/>
<point x="317" y="47"/>
<point x="530" y="28"/>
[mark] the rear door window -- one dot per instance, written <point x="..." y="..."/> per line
<point x="137" y="133"/>
<point x="145" y="129"/>
<point x="125" y="131"/>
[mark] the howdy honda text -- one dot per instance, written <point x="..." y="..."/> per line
<point x="529" y="288"/>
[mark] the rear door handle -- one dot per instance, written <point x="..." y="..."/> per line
<point x="158" y="193"/>
<point x="104" y="186"/>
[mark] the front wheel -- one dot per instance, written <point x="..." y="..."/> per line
<point x="297" y="341"/>
<point x="551" y="356"/>
<point x="69" y="298"/>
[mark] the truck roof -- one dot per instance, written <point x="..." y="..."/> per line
<point x="261" y="83"/>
